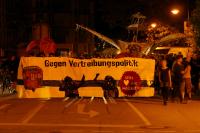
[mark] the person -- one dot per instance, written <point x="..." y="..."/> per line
<point x="177" y="70"/>
<point x="165" y="80"/>
<point x="186" y="84"/>
<point x="71" y="87"/>
<point x="195" y="72"/>
<point x="6" y="79"/>
<point x="13" y="67"/>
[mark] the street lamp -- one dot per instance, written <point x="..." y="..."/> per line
<point x="174" y="11"/>
<point x="153" y="25"/>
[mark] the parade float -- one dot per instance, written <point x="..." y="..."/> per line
<point x="126" y="75"/>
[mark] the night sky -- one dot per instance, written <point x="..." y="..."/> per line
<point x="113" y="16"/>
<point x="109" y="17"/>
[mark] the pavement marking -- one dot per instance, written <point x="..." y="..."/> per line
<point x="69" y="131"/>
<point x="65" y="99"/>
<point x="33" y="112"/>
<point x="78" y="101"/>
<point x="91" y="113"/>
<point x="105" y="101"/>
<point x="134" y="131"/>
<point x="102" y="131"/>
<point x="112" y="100"/>
<point x="4" y="106"/>
<point x="139" y="113"/>
<point x="69" y="125"/>
<point x="72" y="101"/>
<point x="160" y="131"/>
<point x="192" y="131"/>
<point x="92" y="98"/>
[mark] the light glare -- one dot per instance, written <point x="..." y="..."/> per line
<point x="153" y="25"/>
<point x="175" y="11"/>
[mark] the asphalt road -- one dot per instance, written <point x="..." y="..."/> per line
<point x="98" y="115"/>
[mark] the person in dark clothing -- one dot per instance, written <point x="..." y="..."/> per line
<point x="71" y="87"/>
<point x="165" y="80"/>
<point x="195" y="72"/>
<point x="177" y="70"/>
<point x="170" y="59"/>
<point x="13" y="67"/>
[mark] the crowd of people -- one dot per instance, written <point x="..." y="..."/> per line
<point x="177" y="76"/>
<point x="8" y="73"/>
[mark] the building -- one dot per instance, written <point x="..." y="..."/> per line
<point x="19" y="18"/>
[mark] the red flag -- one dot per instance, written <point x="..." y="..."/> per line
<point x="32" y="45"/>
<point x="47" y="46"/>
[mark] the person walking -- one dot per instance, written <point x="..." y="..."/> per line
<point x="165" y="80"/>
<point x="177" y="70"/>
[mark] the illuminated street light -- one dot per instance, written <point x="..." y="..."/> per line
<point x="153" y="25"/>
<point x="175" y="11"/>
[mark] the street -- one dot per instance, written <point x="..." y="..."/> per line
<point x="98" y="115"/>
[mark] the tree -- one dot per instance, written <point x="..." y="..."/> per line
<point x="158" y="32"/>
<point x="195" y="19"/>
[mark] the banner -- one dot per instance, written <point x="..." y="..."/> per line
<point x="43" y="77"/>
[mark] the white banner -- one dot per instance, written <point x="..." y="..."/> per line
<point x="42" y="76"/>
